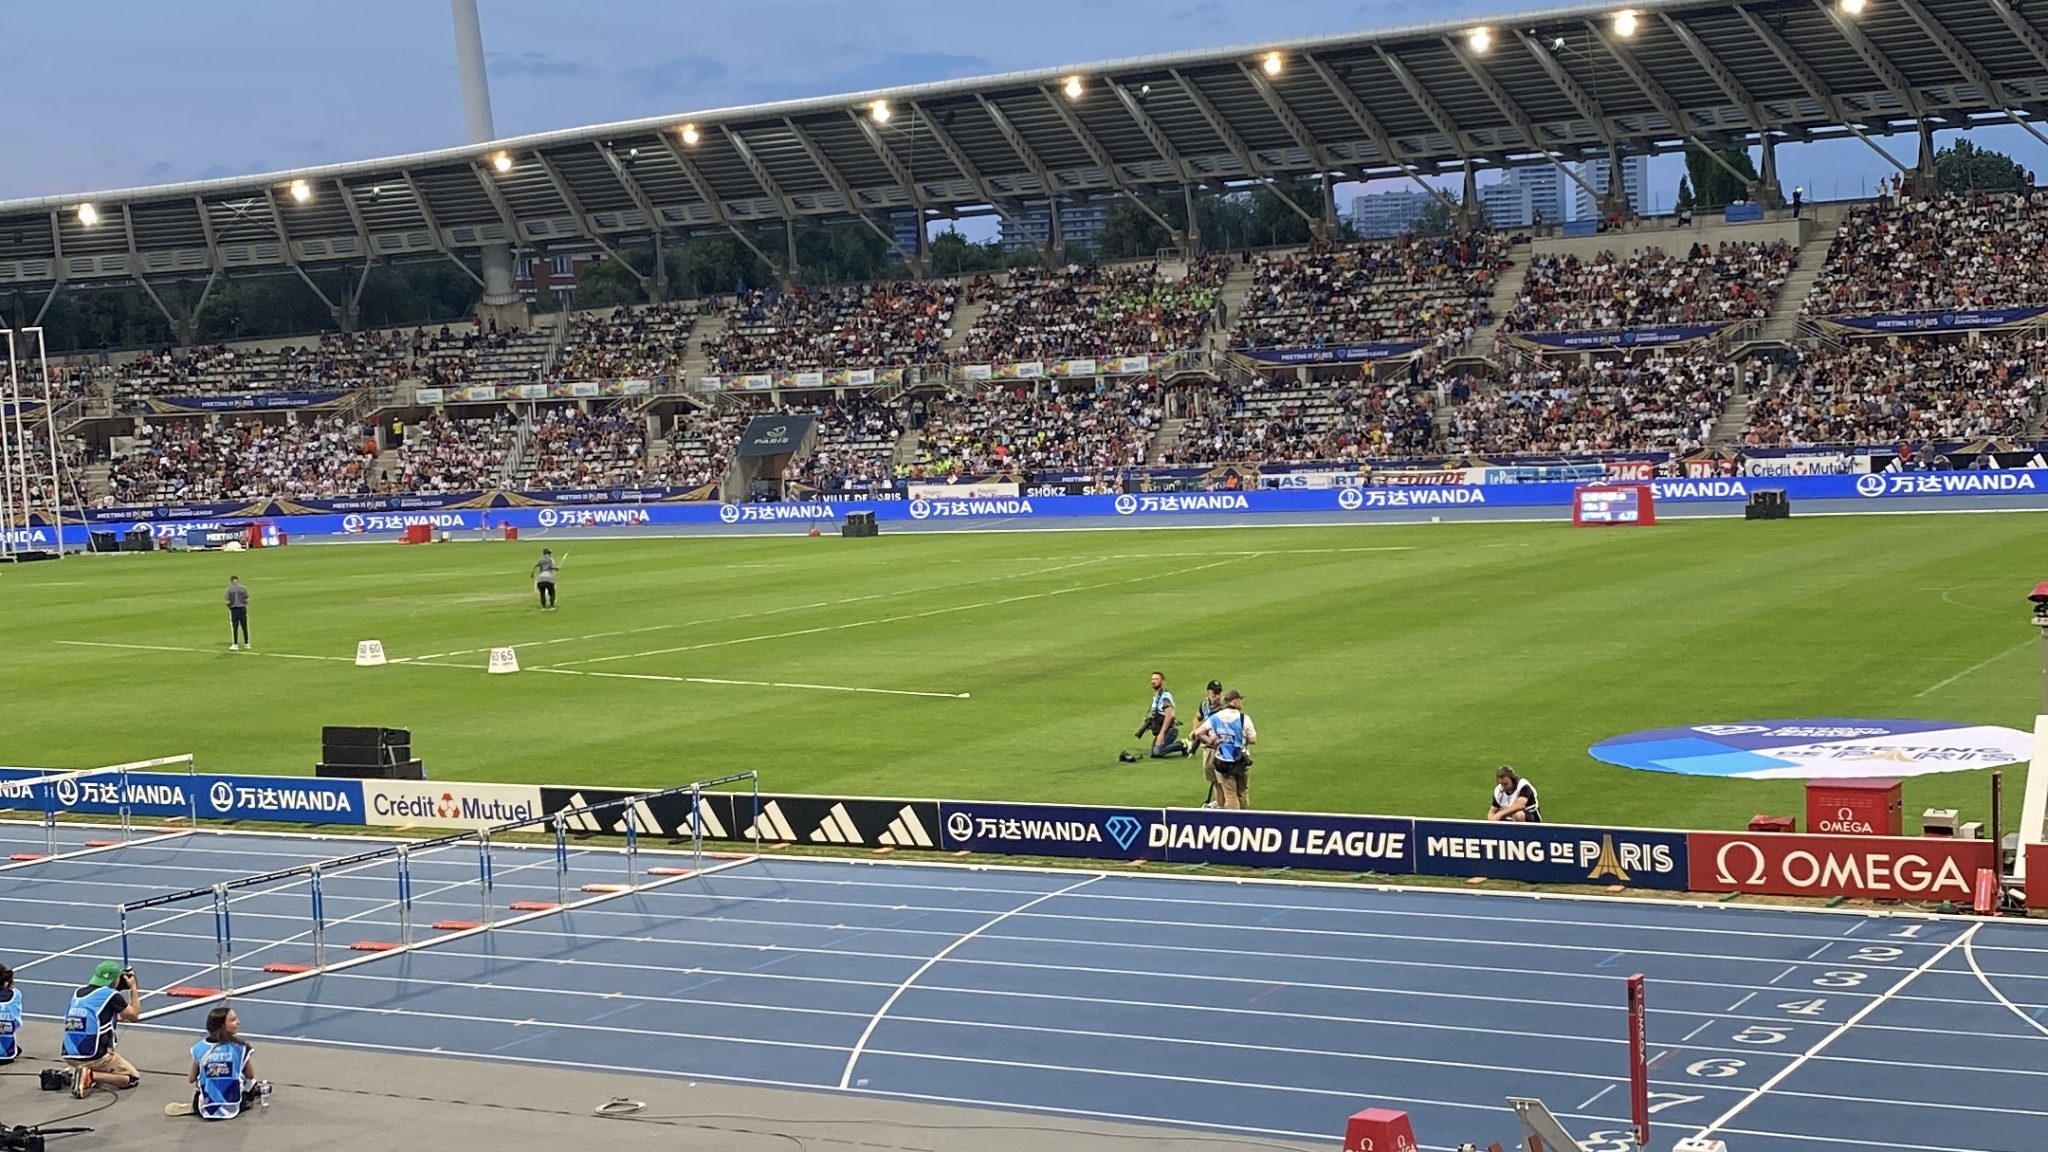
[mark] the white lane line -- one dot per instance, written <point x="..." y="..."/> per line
<point x="859" y="1046"/>
<point x="142" y="842"/>
<point x="1987" y="662"/>
<point x="1970" y="955"/>
<point x="743" y="683"/>
<point x="1595" y="1097"/>
<point x="1839" y="1031"/>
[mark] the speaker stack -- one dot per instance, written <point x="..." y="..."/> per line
<point x="860" y="524"/>
<point x="368" y="754"/>
<point x="1767" y="504"/>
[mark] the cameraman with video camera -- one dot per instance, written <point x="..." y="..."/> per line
<point x="1161" y="724"/>
<point x="110" y="999"/>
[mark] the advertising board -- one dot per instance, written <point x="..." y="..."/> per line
<point x="1551" y="853"/>
<point x="1857" y="867"/>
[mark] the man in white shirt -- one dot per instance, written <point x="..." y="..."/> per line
<point x="1514" y="799"/>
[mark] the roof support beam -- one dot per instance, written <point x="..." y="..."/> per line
<point x="1022" y="147"/>
<point x="958" y="156"/>
<point x="904" y="177"/>
<point x="634" y="191"/>
<point x="1371" y="126"/>
<point x="57" y="253"/>
<point x="840" y="185"/>
<point x="206" y="230"/>
<point x="1655" y="93"/>
<point x="709" y="195"/>
<point x="584" y="224"/>
<point x="284" y="240"/>
<point x="2022" y="31"/>
<point x="355" y="219"/>
<point x="1814" y="85"/>
<point x="1967" y="63"/>
<point x="1520" y="119"/>
<point x="1105" y="161"/>
<point x="433" y="222"/>
<point x="1235" y="143"/>
<point x="1154" y="134"/>
<point x="1881" y="65"/>
<point x="491" y="192"/>
<point x="1579" y="97"/>
<point x="1277" y="105"/>
<point x="760" y="171"/>
<point x="1417" y="92"/>
<point x="1737" y="92"/>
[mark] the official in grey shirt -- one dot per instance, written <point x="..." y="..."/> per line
<point x="238" y="615"/>
<point x="544" y="579"/>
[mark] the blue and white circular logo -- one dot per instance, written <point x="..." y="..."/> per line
<point x="353" y="523"/>
<point x="1350" y="499"/>
<point x="67" y="791"/>
<point x="960" y="826"/>
<point x="549" y="517"/>
<point x="1828" y="749"/>
<point x="730" y="513"/>
<point x="919" y="509"/>
<point x="1126" y="504"/>
<point x="221" y="796"/>
<point x="149" y="528"/>
<point x="1870" y="484"/>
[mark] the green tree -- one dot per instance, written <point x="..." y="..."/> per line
<point x="1713" y="186"/>
<point x="951" y="254"/>
<point x="1964" y="167"/>
<point x="1439" y="217"/>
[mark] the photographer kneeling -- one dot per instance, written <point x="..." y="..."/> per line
<point x="89" y="1023"/>
<point x="1229" y="731"/>
<point x="222" y="1074"/>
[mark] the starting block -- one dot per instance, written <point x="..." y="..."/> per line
<point x="1379" y="1130"/>
<point x="369" y="653"/>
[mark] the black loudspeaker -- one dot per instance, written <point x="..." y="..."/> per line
<point x="401" y="770"/>
<point x="105" y="541"/>
<point x="365" y="747"/>
<point x="860" y="524"/>
<point x="139" y="540"/>
<point x="1767" y="504"/>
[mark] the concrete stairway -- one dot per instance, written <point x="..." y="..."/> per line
<point x="708" y="330"/>
<point x="1164" y="439"/>
<point x="965" y="316"/>
<point x="1782" y="325"/>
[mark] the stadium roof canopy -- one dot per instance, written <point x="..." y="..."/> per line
<point x="1562" y="84"/>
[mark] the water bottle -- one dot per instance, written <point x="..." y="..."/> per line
<point x="263" y="1093"/>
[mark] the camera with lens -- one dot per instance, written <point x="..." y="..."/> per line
<point x="2040" y="599"/>
<point x="1150" y="726"/>
<point x="56" y="1079"/>
<point x="19" y="1139"/>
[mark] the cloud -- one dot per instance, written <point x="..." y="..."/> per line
<point x="676" y="76"/>
<point x="537" y="65"/>
<point x="157" y="170"/>
<point x="864" y="70"/>
<point x="1207" y="12"/>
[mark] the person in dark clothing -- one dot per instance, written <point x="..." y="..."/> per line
<point x="544" y="579"/>
<point x="238" y="615"/>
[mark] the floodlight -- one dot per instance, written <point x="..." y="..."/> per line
<point x="1480" y="39"/>
<point x="1625" y="23"/>
<point x="1072" y="88"/>
<point x="301" y="191"/>
<point x="880" y="112"/>
<point x="1852" y="7"/>
<point x="1557" y="45"/>
<point x="88" y="215"/>
<point x="1272" y="63"/>
<point x="502" y="161"/>
<point x="690" y="134"/>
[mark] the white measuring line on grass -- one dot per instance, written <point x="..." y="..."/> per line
<point x="1979" y="666"/>
<point x="1840" y="1030"/>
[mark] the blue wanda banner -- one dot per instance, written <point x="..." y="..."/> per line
<point x="1046" y="829"/>
<point x="283" y="799"/>
<point x="1551" y="853"/>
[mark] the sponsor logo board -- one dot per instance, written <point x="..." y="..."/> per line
<point x="1858" y="867"/>
<point x="1048" y="829"/>
<point x="1551" y="853"/>
<point x="1283" y="840"/>
<point x="1818" y="749"/>
<point x="425" y="803"/>
<point x="283" y="799"/>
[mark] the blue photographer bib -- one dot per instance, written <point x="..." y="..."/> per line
<point x="222" y="1078"/>
<point x="10" y="1027"/>
<point x="85" y="1036"/>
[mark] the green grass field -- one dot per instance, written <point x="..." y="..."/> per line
<point x="1389" y="669"/>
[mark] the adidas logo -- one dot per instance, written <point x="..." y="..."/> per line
<point x="771" y="824"/>
<point x="838" y="828"/>
<point x="906" y="831"/>
<point x="576" y="821"/>
<point x="644" y="821"/>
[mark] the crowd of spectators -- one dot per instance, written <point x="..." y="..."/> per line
<point x="1091" y="311"/>
<point x="1650" y="288"/>
<point x="1933" y="254"/>
<point x="1285" y="421"/>
<point x="626" y="343"/>
<point x="470" y="354"/>
<point x="861" y="326"/>
<point x="570" y="448"/>
<point x="193" y="459"/>
<point x="856" y="446"/>
<point x="1046" y="427"/>
<point x="1662" y="401"/>
<point x="1430" y="290"/>
<point x="698" y="450"/>
<point x="1882" y="391"/>
<point x="453" y="453"/>
<point x="334" y="363"/>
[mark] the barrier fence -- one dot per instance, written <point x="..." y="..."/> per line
<point x="1824" y="866"/>
<point x="112" y="788"/>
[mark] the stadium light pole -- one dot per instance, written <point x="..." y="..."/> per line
<point x="476" y="108"/>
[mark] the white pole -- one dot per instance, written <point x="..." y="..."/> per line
<point x="6" y="454"/>
<point x="21" y="445"/>
<point x="50" y="430"/>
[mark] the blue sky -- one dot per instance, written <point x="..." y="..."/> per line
<point x="158" y="92"/>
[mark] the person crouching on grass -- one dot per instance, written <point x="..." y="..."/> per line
<point x="1514" y="799"/>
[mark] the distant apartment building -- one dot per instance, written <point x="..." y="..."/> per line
<point x="1524" y="197"/>
<point x="1635" y="183"/>
<point x="1388" y="213"/>
<point x="1079" y="224"/>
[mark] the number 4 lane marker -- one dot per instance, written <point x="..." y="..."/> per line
<point x="1820" y="1046"/>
